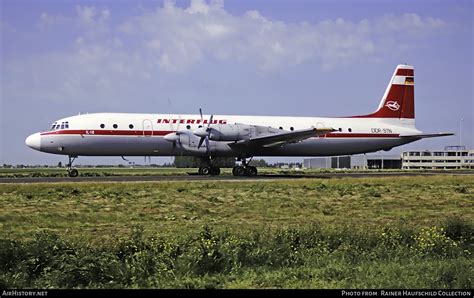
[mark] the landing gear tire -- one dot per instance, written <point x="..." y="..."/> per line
<point x="251" y="171"/>
<point x="238" y="171"/>
<point x="208" y="170"/>
<point x="204" y="170"/>
<point x="72" y="173"/>
<point x="215" y="171"/>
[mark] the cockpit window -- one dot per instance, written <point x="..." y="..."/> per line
<point x="63" y="125"/>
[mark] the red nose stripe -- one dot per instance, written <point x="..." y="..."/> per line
<point x="108" y="132"/>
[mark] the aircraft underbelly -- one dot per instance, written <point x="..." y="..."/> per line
<point x="328" y="147"/>
<point x="157" y="146"/>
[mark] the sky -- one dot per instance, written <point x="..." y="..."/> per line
<point x="260" y="57"/>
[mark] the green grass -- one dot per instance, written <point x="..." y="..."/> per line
<point x="156" y="171"/>
<point x="396" y="232"/>
<point x="126" y="171"/>
<point x="92" y="172"/>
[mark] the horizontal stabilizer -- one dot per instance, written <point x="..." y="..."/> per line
<point x="428" y="135"/>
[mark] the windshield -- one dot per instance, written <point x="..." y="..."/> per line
<point x="63" y="125"/>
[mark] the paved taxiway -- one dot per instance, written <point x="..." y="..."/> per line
<point x="223" y="178"/>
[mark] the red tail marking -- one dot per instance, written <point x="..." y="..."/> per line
<point x="405" y="72"/>
<point x="400" y="100"/>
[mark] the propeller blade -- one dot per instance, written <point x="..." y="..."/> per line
<point x="171" y="125"/>
<point x="204" y="133"/>
<point x="200" y="132"/>
<point x="209" y="123"/>
<point x="207" y="145"/>
<point x="200" y="141"/>
<point x="179" y="122"/>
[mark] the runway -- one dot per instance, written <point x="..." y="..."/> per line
<point x="225" y="177"/>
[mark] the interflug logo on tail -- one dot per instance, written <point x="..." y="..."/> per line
<point x="393" y="105"/>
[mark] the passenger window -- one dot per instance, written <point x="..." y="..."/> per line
<point x="350" y="129"/>
<point x="62" y="125"/>
<point x="131" y="126"/>
<point x="280" y="128"/>
<point x="115" y="125"/>
<point x="66" y="125"/>
<point x="102" y="126"/>
<point x="291" y="128"/>
<point x="340" y="129"/>
<point x="188" y="126"/>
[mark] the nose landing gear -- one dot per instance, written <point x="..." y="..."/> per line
<point x="72" y="172"/>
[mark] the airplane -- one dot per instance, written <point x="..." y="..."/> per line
<point x="242" y="137"/>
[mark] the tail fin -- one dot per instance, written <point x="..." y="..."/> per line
<point x="398" y="100"/>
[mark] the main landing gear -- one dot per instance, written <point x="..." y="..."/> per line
<point x="244" y="169"/>
<point x="207" y="168"/>
<point x="71" y="172"/>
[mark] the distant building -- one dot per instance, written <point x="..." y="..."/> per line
<point x="452" y="157"/>
<point x="335" y="162"/>
<point x="376" y="162"/>
<point x="317" y="163"/>
<point x="354" y="162"/>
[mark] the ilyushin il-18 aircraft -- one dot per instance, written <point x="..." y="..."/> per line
<point x="242" y="137"/>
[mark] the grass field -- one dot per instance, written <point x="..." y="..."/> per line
<point x="157" y="171"/>
<point x="93" y="172"/>
<point x="396" y="232"/>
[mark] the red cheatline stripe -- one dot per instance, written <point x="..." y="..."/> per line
<point x="107" y="132"/>
<point x="405" y="72"/>
<point x="165" y="132"/>
<point x="362" y="135"/>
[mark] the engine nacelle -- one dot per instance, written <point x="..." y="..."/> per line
<point x="234" y="132"/>
<point x="229" y="132"/>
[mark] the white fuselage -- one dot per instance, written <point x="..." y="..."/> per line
<point x="125" y="134"/>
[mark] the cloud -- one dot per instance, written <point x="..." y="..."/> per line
<point x="171" y="40"/>
<point x="86" y="14"/>
<point x="188" y="35"/>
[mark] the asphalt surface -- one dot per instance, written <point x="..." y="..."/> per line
<point x="225" y="178"/>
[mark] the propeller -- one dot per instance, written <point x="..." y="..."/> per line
<point x="173" y="136"/>
<point x="204" y="133"/>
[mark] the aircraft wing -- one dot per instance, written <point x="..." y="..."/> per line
<point x="428" y="135"/>
<point x="280" y="139"/>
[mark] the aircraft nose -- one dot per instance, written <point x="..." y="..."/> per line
<point x="34" y="141"/>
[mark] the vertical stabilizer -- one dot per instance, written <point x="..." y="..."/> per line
<point x="398" y="100"/>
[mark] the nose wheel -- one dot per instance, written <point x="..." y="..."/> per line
<point x="72" y="172"/>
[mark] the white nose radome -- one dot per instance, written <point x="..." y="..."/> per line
<point x="34" y="141"/>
